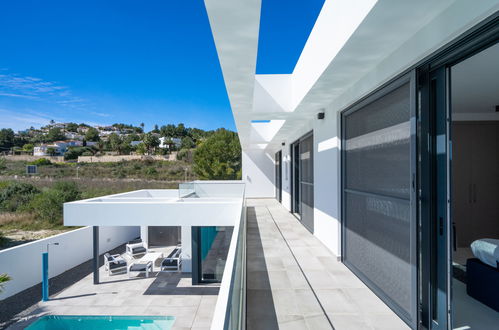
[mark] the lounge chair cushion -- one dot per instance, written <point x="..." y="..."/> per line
<point x="138" y="267"/>
<point x="117" y="264"/>
<point x="139" y="249"/>
<point x="135" y="241"/>
<point x="170" y="263"/>
<point x="174" y="253"/>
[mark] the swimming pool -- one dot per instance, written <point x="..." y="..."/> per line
<point x="63" y="322"/>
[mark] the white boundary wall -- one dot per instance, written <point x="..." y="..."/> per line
<point x="24" y="262"/>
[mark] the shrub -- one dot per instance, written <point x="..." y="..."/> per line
<point x="185" y="154"/>
<point x="16" y="194"/>
<point x="3" y="164"/>
<point x="4" y="278"/>
<point x="150" y="171"/>
<point x="48" y="205"/>
<point x="41" y="162"/>
<point x="68" y="189"/>
<point x="74" y="152"/>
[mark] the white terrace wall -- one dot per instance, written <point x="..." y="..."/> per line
<point x="24" y="263"/>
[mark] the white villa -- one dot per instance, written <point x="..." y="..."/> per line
<point x="59" y="147"/>
<point x="368" y="199"/>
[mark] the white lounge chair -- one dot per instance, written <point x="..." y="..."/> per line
<point x="135" y="247"/>
<point x="173" y="262"/>
<point x="114" y="263"/>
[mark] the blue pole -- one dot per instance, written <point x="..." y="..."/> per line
<point x="45" y="276"/>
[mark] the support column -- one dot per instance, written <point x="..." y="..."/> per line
<point x="185" y="239"/>
<point x="195" y="235"/>
<point x="144" y="235"/>
<point x="96" y="254"/>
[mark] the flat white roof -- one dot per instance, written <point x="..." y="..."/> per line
<point x="194" y="204"/>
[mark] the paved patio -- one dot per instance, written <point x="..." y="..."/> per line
<point x="167" y="294"/>
<point x="294" y="282"/>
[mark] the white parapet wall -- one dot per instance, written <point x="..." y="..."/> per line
<point x="24" y="262"/>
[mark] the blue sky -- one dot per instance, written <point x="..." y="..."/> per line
<point x="102" y="62"/>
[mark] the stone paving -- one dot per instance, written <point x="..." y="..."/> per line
<point x="294" y="282"/>
<point x="167" y="294"/>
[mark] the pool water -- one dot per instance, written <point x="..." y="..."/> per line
<point x="60" y="322"/>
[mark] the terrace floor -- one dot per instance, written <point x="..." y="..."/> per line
<point x="167" y="294"/>
<point x="294" y="282"/>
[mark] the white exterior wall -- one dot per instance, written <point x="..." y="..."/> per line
<point x="451" y="21"/>
<point x="24" y="263"/>
<point x="258" y="173"/>
<point x="327" y="226"/>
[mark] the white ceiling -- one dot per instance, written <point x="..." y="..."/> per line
<point x="475" y="84"/>
<point x="353" y="48"/>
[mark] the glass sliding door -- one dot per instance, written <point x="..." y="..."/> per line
<point x="307" y="182"/>
<point x="433" y="182"/>
<point x="210" y="246"/>
<point x="302" y="188"/>
<point x="379" y="213"/>
<point x="295" y="178"/>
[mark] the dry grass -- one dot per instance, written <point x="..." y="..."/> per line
<point x="12" y="220"/>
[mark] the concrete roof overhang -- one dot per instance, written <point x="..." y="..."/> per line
<point x="154" y="207"/>
<point x="354" y="47"/>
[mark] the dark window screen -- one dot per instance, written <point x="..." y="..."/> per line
<point x="307" y="182"/>
<point x="377" y="197"/>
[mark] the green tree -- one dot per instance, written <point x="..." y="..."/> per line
<point x="151" y="142"/>
<point x="72" y="127"/>
<point x="180" y="131"/>
<point x="219" y="157"/>
<point x="141" y="148"/>
<point x="7" y="137"/>
<point x="51" y="151"/>
<point x="156" y="129"/>
<point x="28" y="147"/>
<point x="92" y="135"/>
<point x="168" y="130"/>
<point x="115" y="142"/>
<point x="187" y="143"/>
<point x="55" y="134"/>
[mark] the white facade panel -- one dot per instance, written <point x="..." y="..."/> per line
<point x="258" y="173"/>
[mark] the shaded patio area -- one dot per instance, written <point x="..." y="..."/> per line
<point x="162" y="294"/>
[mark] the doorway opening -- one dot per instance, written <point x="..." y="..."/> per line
<point x="474" y="104"/>
<point x="302" y="154"/>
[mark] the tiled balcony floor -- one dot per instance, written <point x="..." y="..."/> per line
<point x="167" y="294"/>
<point x="313" y="291"/>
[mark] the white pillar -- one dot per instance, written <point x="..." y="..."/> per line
<point x="186" y="249"/>
<point x="144" y="235"/>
